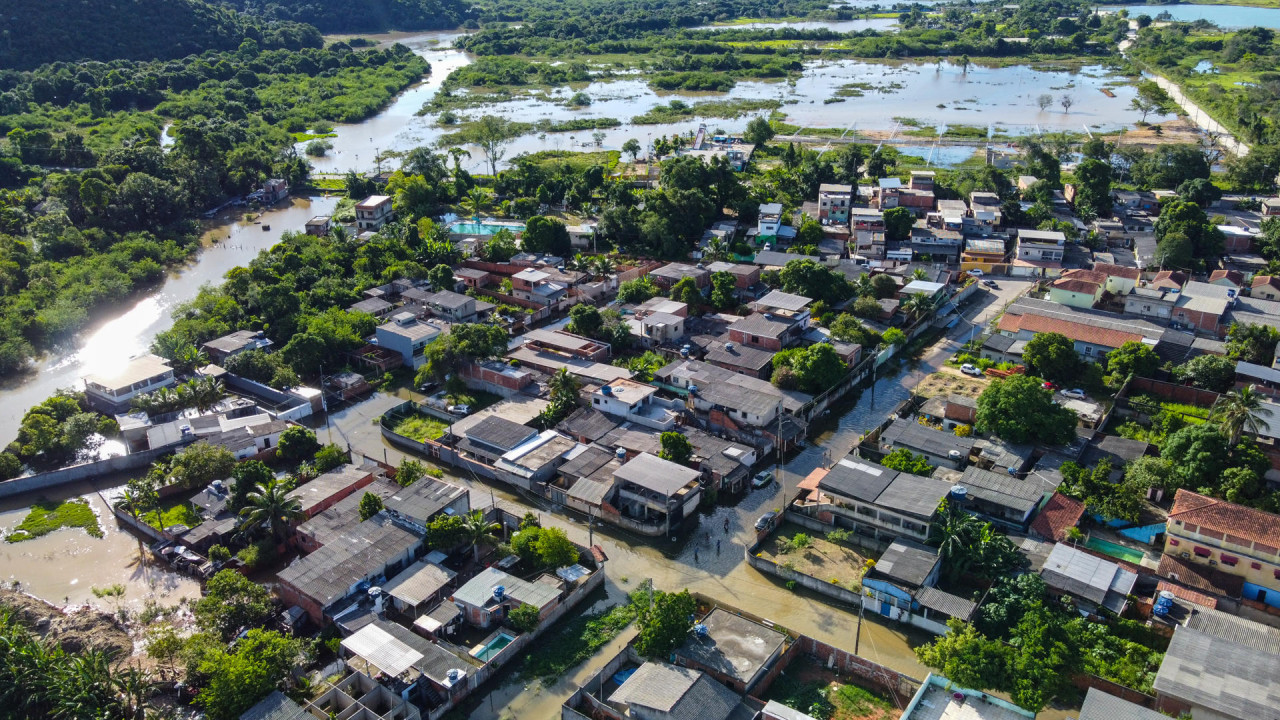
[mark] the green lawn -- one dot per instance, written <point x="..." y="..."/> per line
<point x="180" y="512"/>
<point x="47" y="516"/>
<point x="420" y="427"/>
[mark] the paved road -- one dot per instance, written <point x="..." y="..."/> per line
<point x="691" y="560"/>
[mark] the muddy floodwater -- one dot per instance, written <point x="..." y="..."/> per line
<point x="64" y="566"/>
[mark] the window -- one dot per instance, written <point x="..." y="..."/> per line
<point x="1202" y="552"/>
<point x="1173" y="542"/>
<point x="1255" y="566"/>
<point x="1229" y="560"/>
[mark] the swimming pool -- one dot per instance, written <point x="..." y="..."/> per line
<point x="464" y="227"/>
<point x="486" y="652"/>
<point x="1115" y="551"/>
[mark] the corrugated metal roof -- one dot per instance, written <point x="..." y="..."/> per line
<point x="478" y="592"/>
<point x="1227" y="678"/>
<point x="379" y="648"/>
<point x="418" y="582"/>
<point x="1099" y="705"/>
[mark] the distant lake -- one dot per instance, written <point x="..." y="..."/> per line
<point x="840" y="26"/>
<point x="1227" y="17"/>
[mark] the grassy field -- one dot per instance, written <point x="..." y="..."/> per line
<point x="177" y="513"/>
<point x="822" y="559"/>
<point x="577" y="640"/>
<point x="420" y="427"/>
<point x="47" y="516"/>
<point x="820" y="693"/>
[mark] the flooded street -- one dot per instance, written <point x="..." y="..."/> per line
<point x="64" y="566"/>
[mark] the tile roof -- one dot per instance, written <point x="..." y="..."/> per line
<point x="676" y="693"/>
<point x="907" y="562"/>
<point x="1073" y="330"/>
<point x="1187" y="594"/>
<point x="1058" y="515"/>
<point x="1234" y="276"/>
<point x="1244" y="522"/>
<point x="1169" y="279"/>
<point x="1131" y="273"/>
<point x="1236" y="629"/>
<point x="762" y="325"/>
<point x="418" y="582"/>
<point x="1200" y="577"/>
<point x="1099" y="705"/>
<point x="1269" y="280"/>
<point x="946" y="603"/>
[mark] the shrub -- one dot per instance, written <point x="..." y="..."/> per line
<point x="964" y="430"/>
<point x="219" y="553"/>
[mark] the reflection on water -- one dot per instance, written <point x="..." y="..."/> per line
<point x="840" y="26"/>
<point x="1227" y="17"/>
<point x="63" y="566"/>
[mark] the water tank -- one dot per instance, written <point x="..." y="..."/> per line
<point x="693" y="389"/>
<point x="684" y="351"/>
<point x="728" y="347"/>
<point x="1166" y="595"/>
<point x="958" y="493"/>
<point x="620" y="453"/>
<point x="606" y="390"/>
<point x="701" y="630"/>
<point x="954" y="454"/>
<point x="454" y="675"/>
<point x="217" y="487"/>
<point x="499" y="592"/>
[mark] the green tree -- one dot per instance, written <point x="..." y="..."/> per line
<point x="441" y="277"/>
<point x="239" y="678"/>
<point x="1175" y="251"/>
<point x="584" y="319"/>
<point x="1017" y="409"/>
<point x="329" y="457"/>
<point x="1252" y="343"/>
<point x="1152" y="472"/>
<point x="232" y="601"/>
<point x="410" y="472"/>
<point x="270" y="506"/>
<point x="814" y="369"/>
<point x="1053" y="356"/>
<point x="898" y="222"/>
<point x="492" y="134"/>
<point x="1187" y="218"/>
<point x="1241" y="411"/>
<point x="632" y="148"/>
<point x="477" y="530"/>
<point x="967" y="658"/>
<point x="884" y="286"/>
<point x="1200" y="191"/>
<point x="1093" y="189"/>
<point x="676" y="447"/>
<point x="688" y="292"/>
<point x="526" y="617"/>
<point x="636" y="291"/>
<point x="1198" y="453"/>
<point x="724" y="290"/>
<point x="370" y="505"/>
<point x="500" y="247"/>
<point x="894" y="336"/>
<point x="758" y="131"/>
<point x="1008" y="600"/>
<point x="164" y="646"/>
<point x="247" y="476"/>
<point x="554" y="548"/>
<point x="1133" y="359"/>
<point x="199" y="464"/>
<point x="296" y="444"/>
<point x="445" y="532"/>
<point x="813" y="280"/>
<point x="903" y="460"/>
<point x="665" y="625"/>
<point x="865" y="307"/>
<point x="546" y="235"/>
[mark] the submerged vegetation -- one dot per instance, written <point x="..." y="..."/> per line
<point x="46" y="516"/>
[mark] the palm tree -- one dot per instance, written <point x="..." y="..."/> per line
<point x="602" y="266"/>
<point x="191" y="357"/>
<point x="954" y="533"/>
<point x="1241" y="410"/>
<point x="457" y="154"/>
<point x="340" y="235"/>
<point x="134" y="688"/>
<point x="86" y="688"/>
<point x="205" y="392"/>
<point x="478" y="531"/>
<point x="271" y="505"/>
<point x="474" y="202"/>
<point x="579" y="262"/>
<point x="919" y="274"/>
<point x="716" y="250"/>
<point x="563" y="387"/>
<point x="918" y="305"/>
<point x="862" y="286"/>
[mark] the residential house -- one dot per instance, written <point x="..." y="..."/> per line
<point x="493" y="437"/>
<point x="656" y="492"/>
<point x="1262" y="378"/>
<point x="562" y="341"/>
<point x="328" y="488"/>
<point x="657" y="328"/>
<point x="1038" y="252"/>
<point x="373" y="212"/>
<point x="833" y="203"/>
<point x="789" y="307"/>
<point x="1232" y="279"/>
<point x="1235" y="539"/>
<point x="1026" y="181"/>
<point x="951" y="411"/>
<point x="1151" y="302"/>
<point x="247" y="437"/>
<point x="936" y="245"/>
<point x="473" y="278"/>
<point x="730" y="400"/>
<point x="733" y="650"/>
<point x="419" y="587"/>
<point x="1094" y="334"/>
<point x="658" y="691"/>
<point x="949" y="215"/>
<point x="320" y="225"/>
<point x="999" y="497"/>
<point x="1059" y="514"/>
<point x="772" y="259"/>
<point x="375" y="306"/>
<point x="982" y="254"/>
<point x="531" y="464"/>
<point x="1200" y="306"/>
<point x="416" y="505"/>
<point x="662" y="305"/>
<point x="587" y="425"/>
<point x="1266" y="287"/>
<point x="112" y="392"/>
<point x="1220" y="671"/>
<point x="745" y="277"/>
<point x="868" y="244"/>
<point x="941" y="449"/>
<point x="727" y="463"/>
<point x="497" y="377"/>
<point x="769" y="221"/>
<point x="901" y="586"/>
<point x="1135" y="201"/>
<point x="409" y="336"/>
<point x="1271" y="207"/>
<point x="452" y="306"/>
<point x="1003" y="349"/>
<point x="321" y="582"/>
<point x="941" y="699"/>
<point x="634" y="402"/>
<point x="274" y="190"/>
<point x="765" y="331"/>
<point x="1120" y="280"/>
<point x="1236" y="239"/>
<point x="877" y="503"/>
<point x="981" y="201"/>
<point x="866" y="219"/>
<point x="1078" y="288"/>
<point x="538" y="287"/>
<point x="741" y="359"/>
<point x="581" y="236"/>
<point x="668" y="275"/>
<point x="489" y="596"/>
<point x="1091" y="582"/>
<point x="394" y="673"/>
<point x="227" y="346"/>
<point x="1169" y="280"/>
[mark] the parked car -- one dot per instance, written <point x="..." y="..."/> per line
<point x="762" y="478"/>
<point x="1074" y="393"/>
<point x="459" y="409"/>
<point x="1047" y="385"/>
<point x="991" y="284"/>
<point x="975" y="272"/>
<point x="971" y="369"/>
<point x="766" y="520"/>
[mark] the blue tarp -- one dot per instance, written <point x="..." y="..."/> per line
<point x="1112" y="523"/>
<point x="1146" y="534"/>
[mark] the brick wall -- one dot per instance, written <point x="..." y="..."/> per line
<point x="1171" y="391"/>
<point x="891" y="682"/>
<point x="1084" y="682"/>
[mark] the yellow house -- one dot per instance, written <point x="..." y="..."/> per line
<point x="1234" y="539"/>
<point x="1078" y="288"/>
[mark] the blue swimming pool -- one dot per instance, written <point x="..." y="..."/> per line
<point x="466" y="227"/>
<point x="485" y="653"/>
<point x="1115" y="551"/>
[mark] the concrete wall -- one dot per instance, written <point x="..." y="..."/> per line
<point x="62" y="476"/>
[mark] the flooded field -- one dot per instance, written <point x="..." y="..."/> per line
<point x="1227" y="17"/>
<point x="64" y="566"/>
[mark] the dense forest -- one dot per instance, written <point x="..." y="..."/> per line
<point x="92" y="210"/>
<point x="36" y="32"/>
<point x="344" y="16"/>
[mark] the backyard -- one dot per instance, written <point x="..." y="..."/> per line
<point x="796" y="549"/>
<point x="420" y="427"/>
<point x="175" y="512"/>
<point x="948" y="381"/>
<point x="813" y="689"/>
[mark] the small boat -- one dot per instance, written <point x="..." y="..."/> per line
<point x="1107" y="92"/>
<point x="266" y="228"/>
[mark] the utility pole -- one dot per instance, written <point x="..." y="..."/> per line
<point x="857" y="636"/>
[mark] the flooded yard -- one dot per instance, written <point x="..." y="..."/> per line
<point x="809" y="553"/>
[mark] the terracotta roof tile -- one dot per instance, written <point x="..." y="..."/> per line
<point x="1193" y="596"/>
<point x="1200" y="577"/>
<point x="1235" y="276"/>
<point x="1254" y="525"/>
<point x="1260" y="280"/>
<point x="1058" y="515"/>
<point x="1131" y="273"/>
<point x="1169" y="279"/>
<point x="1074" y="331"/>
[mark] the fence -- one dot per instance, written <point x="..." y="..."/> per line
<point x="891" y="682"/>
<point x="1085" y="681"/>
<point x="823" y="587"/>
<point x="76" y="473"/>
<point x="1171" y="391"/>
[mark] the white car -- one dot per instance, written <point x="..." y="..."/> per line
<point x="762" y="478"/>
<point x="1074" y="393"/>
<point x="975" y="272"/>
<point x="459" y="409"/>
<point x="970" y="369"/>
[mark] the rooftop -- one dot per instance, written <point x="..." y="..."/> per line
<point x="449" y="299"/>
<point x="741" y="355"/>
<point x="235" y="341"/>
<point x="478" y="591"/>
<point x="677" y="271"/>
<point x="1227" y="678"/>
<point x="141" y="368"/>
<point x="857" y="479"/>
<point x="1057" y="515"/>
<point x="913" y="435"/>
<point x="1003" y="489"/>
<point x="676" y="693"/>
<point x="733" y="645"/>
<point x="653" y="473"/>
<point x="783" y="301"/>
<point x="1078" y="573"/>
<point x="907" y="562"/>
<point x="1099" y="705"/>
<point x="1237" y="521"/>
<point x="372" y="201"/>
<point x="1200" y="577"/>
<point x="415" y="329"/>
<point x="418" y="582"/>
<point x="395" y="650"/>
<point x="946" y="603"/>
<point x="588" y="423"/>
<point x="499" y="432"/>
<point x="422" y="500"/>
<point x="914" y="495"/>
<point x="761" y="324"/>
<point x="327" y="485"/>
<point x="276" y="706"/>
<point x="937" y="700"/>
<point x="330" y="572"/>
